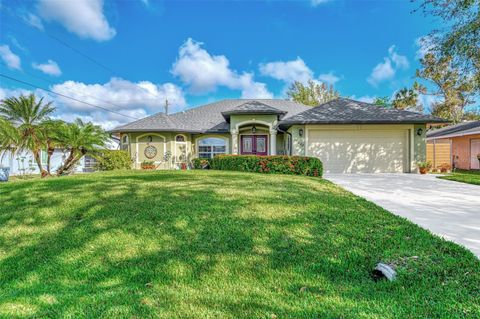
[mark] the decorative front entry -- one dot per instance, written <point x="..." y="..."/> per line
<point x="254" y="145"/>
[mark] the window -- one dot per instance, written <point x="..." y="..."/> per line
<point x="209" y="147"/>
<point x="180" y="138"/>
<point x="124" y="144"/>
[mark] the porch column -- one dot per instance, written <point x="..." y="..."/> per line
<point x="273" y="142"/>
<point x="234" y="141"/>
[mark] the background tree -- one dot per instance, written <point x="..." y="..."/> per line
<point x="52" y="130"/>
<point x="459" y="40"/>
<point x="79" y="139"/>
<point x="27" y="116"/>
<point x="313" y="93"/>
<point x="452" y="88"/>
<point x="408" y="98"/>
<point x="383" y="101"/>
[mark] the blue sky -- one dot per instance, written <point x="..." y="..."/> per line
<point x="193" y="52"/>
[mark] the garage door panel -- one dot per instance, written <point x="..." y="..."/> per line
<point x="359" y="151"/>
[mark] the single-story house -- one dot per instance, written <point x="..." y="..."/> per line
<point x="457" y="145"/>
<point x="348" y="136"/>
<point x="24" y="163"/>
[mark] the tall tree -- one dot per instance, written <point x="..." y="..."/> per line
<point x="383" y="101"/>
<point x="313" y="93"/>
<point x="453" y="90"/>
<point x="52" y="131"/>
<point x="460" y="38"/>
<point x="79" y="139"/>
<point x="408" y="98"/>
<point x="28" y="116"/>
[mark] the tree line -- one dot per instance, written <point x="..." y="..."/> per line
<point x="26" y="125"/>
<point x="449" y="71"/>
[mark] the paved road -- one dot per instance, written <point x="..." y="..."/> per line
<point x="449" y="209"/>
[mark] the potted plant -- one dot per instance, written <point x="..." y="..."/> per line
<point x="148" y="165"/>
<point x="4" y="173"/>
<point x="183" y="166"/>
<point x="424" y="167"/>
<point x="444" y="168"/>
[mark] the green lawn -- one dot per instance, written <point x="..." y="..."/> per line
<point x="464" y="176"/>
<point x="209" y="244"/>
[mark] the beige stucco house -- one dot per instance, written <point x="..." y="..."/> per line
<point x="348" y="136"/>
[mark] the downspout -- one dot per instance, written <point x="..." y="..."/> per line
<point x="291" y="139"/>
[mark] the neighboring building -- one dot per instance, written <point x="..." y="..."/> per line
<point x="347" y="135"/>
<point x="457" y="145"/>
<point x="24" y="164"/>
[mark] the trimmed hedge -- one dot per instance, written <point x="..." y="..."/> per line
<point x="201" y="163"/>
<point x="277" y="164"/>
<point x="111" y="160"/>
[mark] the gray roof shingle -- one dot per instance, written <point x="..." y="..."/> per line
<point x="465" y="128"/>
<point x="211" y="118"/>
<point x="207" y="118"/>
<point x="347" y="111"/>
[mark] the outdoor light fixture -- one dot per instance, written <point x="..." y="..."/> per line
<point x="254" y="129"/>
<point x="419" y="132"/>
<point x="300" y="132"/>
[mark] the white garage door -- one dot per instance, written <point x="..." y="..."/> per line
<point x="359" y="151"/>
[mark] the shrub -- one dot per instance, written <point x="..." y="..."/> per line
<point x="111" y="160"/>
<point x="277" y="164"/>
<point x="201" y="163"/>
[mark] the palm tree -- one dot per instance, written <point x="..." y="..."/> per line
<point x="27" y="116"/>
<point x="80" y="138"/>
<point x="52" y="130"/>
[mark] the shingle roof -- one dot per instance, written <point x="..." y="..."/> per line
<point x="210" y="118"/>
<point x="253" y="107"/>
<point x="465" y="128"/>
<point x="347" y="111"/>
<point x="207" y="118"/>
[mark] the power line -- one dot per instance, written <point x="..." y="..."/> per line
<point x="86" y="56"/>
<point x="65" y="96"/>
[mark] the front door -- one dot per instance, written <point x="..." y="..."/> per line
<point x="474" y="152"/>
<point x="254" y="145"/>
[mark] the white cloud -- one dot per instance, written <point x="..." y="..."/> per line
<point x="82" y="17"/>
<point x="136" y="100"/>
<point x="365" y="98"/>
<point x="9" y="58"/>
<point x="400" y="61"/>
<point x="34" y="21"/>
<point x="316" y="3"/>
<point x="50" y="67"/>
<point x="289" y="71"/>
<point x="124" y="94"/>
<point x="387" y="69"/>
<point x="204" y="72"/>
<point x="329" y="78"/>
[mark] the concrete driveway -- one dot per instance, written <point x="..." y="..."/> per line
<point x="448" y="209"/>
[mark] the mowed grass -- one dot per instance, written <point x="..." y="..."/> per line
<point x="464" y="176"/>
<point x="210" y="244"/>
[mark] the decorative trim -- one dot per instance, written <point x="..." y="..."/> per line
<point x="146" y="134"/>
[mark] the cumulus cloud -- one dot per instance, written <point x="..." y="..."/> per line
<point x="85" y="18"/>
<point x="387" y="69"/>
<point x="204" y="72"/>
<point x="329" y="78"/>
<point x="135" y="100"/>
<point x="50" y="67"/>
<point x="125" y="95"/>
<point x="289" y="71"/>
<point x="9" y="58"/>
<point x="295" y="70"/>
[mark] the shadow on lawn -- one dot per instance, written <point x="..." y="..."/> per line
<point x="145" y="244"/>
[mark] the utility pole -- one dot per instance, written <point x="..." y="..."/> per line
<point x="166" y="106"/>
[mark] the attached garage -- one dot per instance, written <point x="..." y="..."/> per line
<point x="360" y="150"/>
